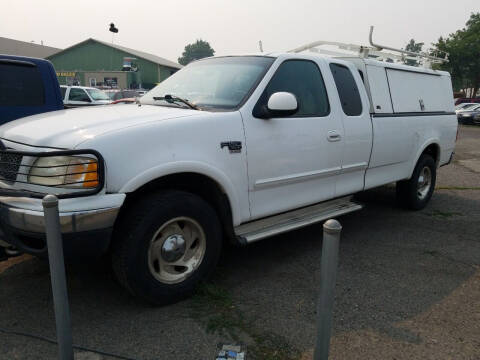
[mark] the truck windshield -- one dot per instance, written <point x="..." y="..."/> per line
<point x="97" y="94"/>
<point x="216" y="83"/>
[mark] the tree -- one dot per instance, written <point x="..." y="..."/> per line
<point x="463" y="48"/>
<point x="413" y="47"/>
<point x="195" y="51"/>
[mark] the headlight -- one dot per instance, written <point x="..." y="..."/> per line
<point x="64" y="171"/>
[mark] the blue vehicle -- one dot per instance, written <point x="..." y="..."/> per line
<point x="28" y="86"/>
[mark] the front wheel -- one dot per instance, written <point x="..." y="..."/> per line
<point x="168" y="243"/>
<point x="415" y="193"/>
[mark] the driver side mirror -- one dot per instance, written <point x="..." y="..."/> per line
<point x="280" y="104"/>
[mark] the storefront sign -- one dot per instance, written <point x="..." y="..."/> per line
<point x="66" y="73"/>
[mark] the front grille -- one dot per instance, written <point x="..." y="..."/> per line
<point x="9" y="165"/>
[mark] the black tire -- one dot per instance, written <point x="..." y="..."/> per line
<point x="132" y="239"/>
<point x="407" y="190"/>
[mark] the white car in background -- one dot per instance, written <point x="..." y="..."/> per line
<point x="81" y="96"/>
<point x="466" y="107"/>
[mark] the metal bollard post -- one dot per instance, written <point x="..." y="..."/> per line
<point x="57" y="276"/>
<point x="328" y="275"/>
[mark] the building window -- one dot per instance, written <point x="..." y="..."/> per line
<point x="92" y="81"/>
<point x="110" y="82"/>
<point x="72" y="81"/>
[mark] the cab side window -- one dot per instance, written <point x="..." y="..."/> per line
<point x="303" y="79"/>
<point x="78" y="95"/>
<point x="347" y="90"/>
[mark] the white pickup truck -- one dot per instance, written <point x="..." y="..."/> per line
<point x="263" y="145"/>
<point x="74" y="96"/>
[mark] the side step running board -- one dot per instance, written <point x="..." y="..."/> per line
<point x="295" y="219"/>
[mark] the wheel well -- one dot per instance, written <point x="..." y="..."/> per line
<point x="198" y="184"/>
<point x="434" y="151"/>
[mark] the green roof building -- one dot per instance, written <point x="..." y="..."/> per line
<point x="97" y="63"/>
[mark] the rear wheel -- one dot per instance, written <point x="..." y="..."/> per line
<point x="415" y="193"/>
<point x="168" y="243"/>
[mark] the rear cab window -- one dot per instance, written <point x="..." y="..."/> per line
<point x="63" y="90"/>
<point x="347" y="90"/>
<point x="21" y="84"/>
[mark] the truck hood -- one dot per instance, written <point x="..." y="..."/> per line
<point x="67" y="128"/>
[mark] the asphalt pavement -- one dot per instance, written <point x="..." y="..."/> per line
<point x="408" y="287"/>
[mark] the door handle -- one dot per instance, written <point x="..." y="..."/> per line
<point x="333" y="136"/>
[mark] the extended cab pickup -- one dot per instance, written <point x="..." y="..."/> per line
<point x="28" y="86"/>
<point x="237" y="148"/>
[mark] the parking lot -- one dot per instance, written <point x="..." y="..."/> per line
<point x="408" y="287"/>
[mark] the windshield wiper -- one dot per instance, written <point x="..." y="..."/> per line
<point x="172" y="98"/>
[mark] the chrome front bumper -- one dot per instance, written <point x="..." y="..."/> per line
<point x="76" y="214"/>
<point x="70" y="222"/>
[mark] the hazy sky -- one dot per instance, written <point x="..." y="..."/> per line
<point x="165" y="27"/>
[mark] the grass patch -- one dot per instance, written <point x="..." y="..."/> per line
<point x="444" y="214"/>
<point x="213" y="295"/>
<point x="214" y="308"/>
<point x="273" y="347"/>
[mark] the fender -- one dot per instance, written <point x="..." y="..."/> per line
<point x="192" y="167"/>
<point x="426" y="144"/>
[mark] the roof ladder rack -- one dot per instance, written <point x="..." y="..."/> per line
<point x="373" y="51"/>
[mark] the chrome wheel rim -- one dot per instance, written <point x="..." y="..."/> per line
<point x="424" y="182"/>
<point x="176" y="250"/>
